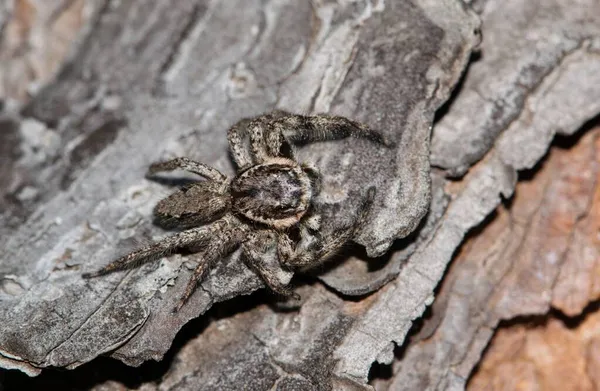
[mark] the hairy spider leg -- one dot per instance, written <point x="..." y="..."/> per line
<point x="254" y="252"/>
<point x="299" y="128"/>
<point x="315" y="177"/>
<point x="255" y="129"/>
<point x="183" y="163"/>
<point x="215" y="250"/>
<point x="236" y="137"/>
<point x="313" y="248"/>
<point x="269" y="132"/>
<point x="161" y="248"/>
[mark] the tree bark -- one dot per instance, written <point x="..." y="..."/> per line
<point x="149" y="80"/>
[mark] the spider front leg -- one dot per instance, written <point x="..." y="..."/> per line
<point x="264" y="143"/>
<point x="256" y="252"/>
<point x="236" y="136"/>
<point x="270" y="134"/>
<point x="254" y="129"/>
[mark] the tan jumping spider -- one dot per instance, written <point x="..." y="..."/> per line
<point x="270" y="197"/>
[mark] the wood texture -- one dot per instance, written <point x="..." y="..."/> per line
<point x="148" y="80"/>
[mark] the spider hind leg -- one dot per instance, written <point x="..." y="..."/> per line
<point x="313" y="248"/>
<point x="158" y="249"/>
<point x="256" y="252"/>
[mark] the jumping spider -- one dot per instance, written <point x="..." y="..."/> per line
<point x="271" y="195"/>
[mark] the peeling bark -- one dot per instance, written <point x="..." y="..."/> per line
<point x="146" y="83"/>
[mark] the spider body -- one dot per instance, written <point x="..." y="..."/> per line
<point x="270" y="194"/>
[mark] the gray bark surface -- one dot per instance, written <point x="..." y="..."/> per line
<point x="150" y="80"/>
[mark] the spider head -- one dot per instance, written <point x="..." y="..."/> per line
<point x="277" y="193"/>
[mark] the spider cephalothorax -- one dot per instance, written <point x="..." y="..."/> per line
<point x="277" y="193"/>
<point x="270" y="194"/>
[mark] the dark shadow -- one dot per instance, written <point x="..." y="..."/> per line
<point x="386" y="371"/>
<point x="569" y="141"/>
<point x="172" y="181"/>
<point x="380" y="371"/>
<point x="444" y="108"/>
<point x="563" y="142"/>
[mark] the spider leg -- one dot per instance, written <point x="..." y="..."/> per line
<point x="206" y="261"/>
<point x="269" y="133"/>
<point x="255" y="252"/>
<point x="264" y="142"/>
<point x="221" y="245"/>
<point x="236" y="136"/>
<point x="313" y="248"/>
<point x="314" y="175"/>
<point x="161" y="248"/>
<point x="304" y="129"/>
<point x="192" y="166"/>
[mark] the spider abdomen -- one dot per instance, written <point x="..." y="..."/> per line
<point x="192" y="206"/>
<point x="276" y="193"/>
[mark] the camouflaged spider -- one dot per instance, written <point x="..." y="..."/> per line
<point x="270" y="194"/>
